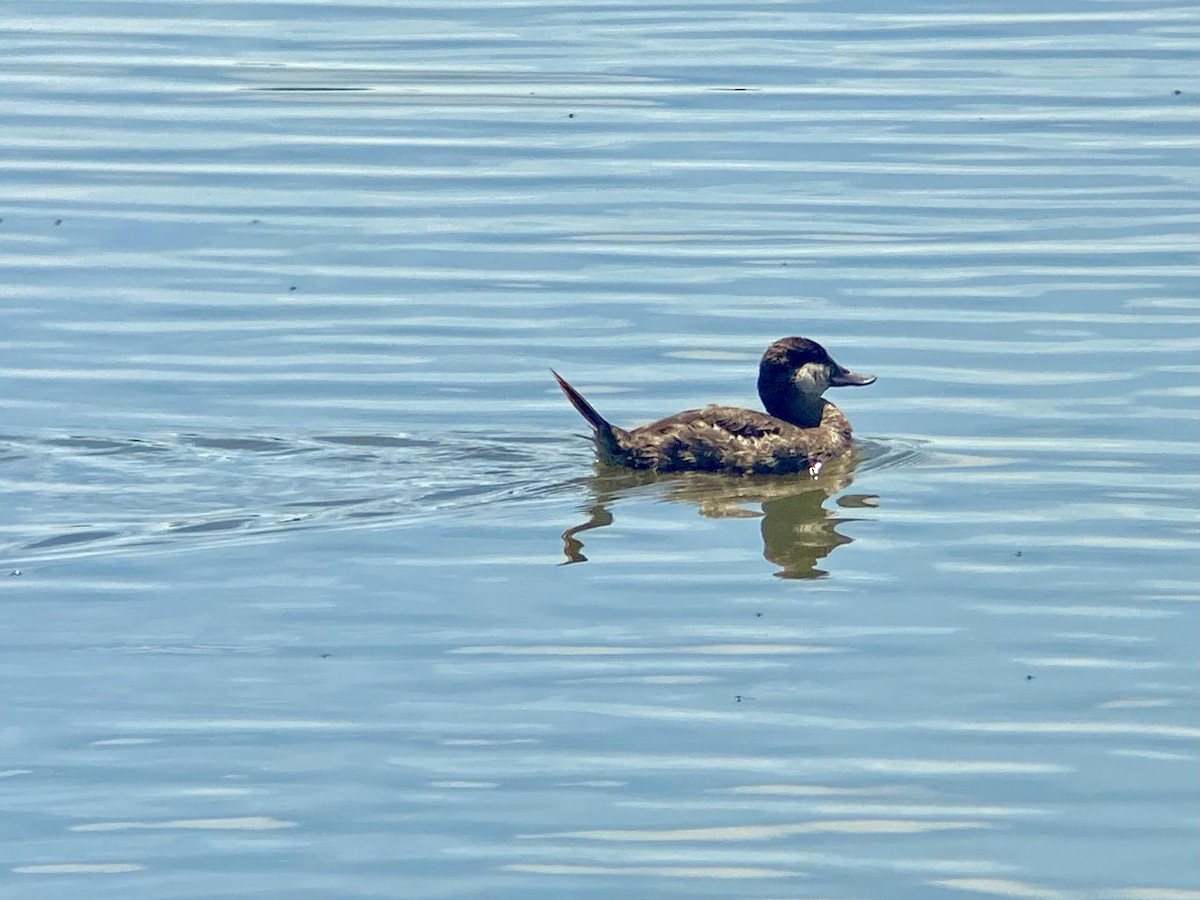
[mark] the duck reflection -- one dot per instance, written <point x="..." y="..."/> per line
<point x="797" y="529"/>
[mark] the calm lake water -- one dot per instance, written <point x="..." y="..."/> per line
<point x="310" y="588"/>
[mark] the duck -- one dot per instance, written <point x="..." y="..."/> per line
<point x="799" y="431"/>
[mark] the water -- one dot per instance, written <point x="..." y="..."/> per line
<point x="310" y="587"/>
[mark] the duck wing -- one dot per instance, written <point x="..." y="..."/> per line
<point x="718" y="439"/>
<point x="734" y="440"/>
<point x="734" y="420"/>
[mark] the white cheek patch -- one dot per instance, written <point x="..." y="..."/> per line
<point x="811" y="378"/>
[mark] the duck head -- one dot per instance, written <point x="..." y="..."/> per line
<point x="793" y="375"/>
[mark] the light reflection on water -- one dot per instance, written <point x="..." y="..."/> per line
<point x="288" y="490"/>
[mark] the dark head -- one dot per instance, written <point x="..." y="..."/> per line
<point x="793" y="375"/>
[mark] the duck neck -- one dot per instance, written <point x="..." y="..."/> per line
<point x="802" y="411"/>
<point x="794" y="396"/>
<point x="785" y="399"/>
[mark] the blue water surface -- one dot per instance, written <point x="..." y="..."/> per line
<point x="310" y="586"/>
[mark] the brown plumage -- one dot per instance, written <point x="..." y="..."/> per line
<point x="797" y="433"/>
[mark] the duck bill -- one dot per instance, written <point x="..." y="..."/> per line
<point x="840" y="377"/>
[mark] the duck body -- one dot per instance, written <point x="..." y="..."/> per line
<point x="797" y="433"/>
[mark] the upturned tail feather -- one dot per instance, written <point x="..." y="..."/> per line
<point x="606" y="432"/>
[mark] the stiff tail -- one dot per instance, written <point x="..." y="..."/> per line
<point x="584" y="408"/>
<point x="606" y="432"/>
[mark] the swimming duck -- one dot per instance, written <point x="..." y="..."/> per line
<point x="797" y="433"/>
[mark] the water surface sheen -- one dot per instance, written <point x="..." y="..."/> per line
<point x="310" y="588"/>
